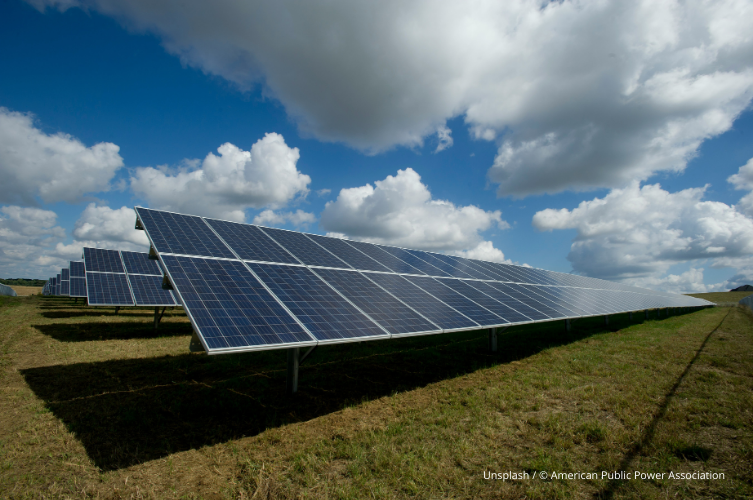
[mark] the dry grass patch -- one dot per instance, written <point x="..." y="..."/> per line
<point x="95" y="404"/>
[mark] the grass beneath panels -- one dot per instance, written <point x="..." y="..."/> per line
<point x="95" y="404"/>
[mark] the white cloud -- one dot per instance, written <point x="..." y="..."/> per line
<point x="271" y="218"/>
<point x="399" y="210"/>
<point x="484" y="251"/>
<point x="444" y="135"/>
<point x="743" y="179"/>
<point x="54" y="167"/>
<point x="637" y="233"/>
<point x="225" y="186"/>
<point x="579" y="94"/>
<point x="25" y="234"/>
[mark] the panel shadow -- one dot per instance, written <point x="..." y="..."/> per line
<point x="126" y="412"/>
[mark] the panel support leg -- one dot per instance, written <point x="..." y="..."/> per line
<point x="293" y="361"/>
<point x="493" y="339"/>
<point x="568" y="325"/>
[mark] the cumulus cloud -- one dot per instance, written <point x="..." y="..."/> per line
<point x="578" y="94"/>
<point x="25" y="235"/>
<point x="225" y="186"/>
<point x="271" y="218"/>
<point x="743" y="180"/>
<point x="399" y="210"/>
<point x="54" y="167"/>
<point x="637" y="233"/>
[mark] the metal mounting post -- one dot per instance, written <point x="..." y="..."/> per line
<point x="293" y="362"/>
<point x="493" y="339"/>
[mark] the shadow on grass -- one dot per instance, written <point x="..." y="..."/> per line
<point x="126" y="412"/>
<point x="125" y="330"/>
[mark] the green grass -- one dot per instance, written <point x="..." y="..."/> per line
<point x="97" y="404"/>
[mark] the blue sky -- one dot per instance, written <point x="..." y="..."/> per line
<point x="546" y="109"/>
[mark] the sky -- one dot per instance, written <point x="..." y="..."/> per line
<point x="610" y="139"/>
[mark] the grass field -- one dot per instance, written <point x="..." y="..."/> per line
<point x="95" y="404"/>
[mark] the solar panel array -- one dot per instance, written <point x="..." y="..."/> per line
<point x="121" y="278"/>
<point x="247" y="287"/>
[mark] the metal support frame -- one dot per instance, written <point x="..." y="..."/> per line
<point x="158" y="316"/>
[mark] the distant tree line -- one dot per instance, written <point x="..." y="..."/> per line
<point x="22" y="282"/>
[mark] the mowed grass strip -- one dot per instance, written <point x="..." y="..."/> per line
<point x="98" y="404"/>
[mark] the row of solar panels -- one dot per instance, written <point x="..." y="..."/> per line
<point x="246" y="287"/>
<point x="113" y="278"/>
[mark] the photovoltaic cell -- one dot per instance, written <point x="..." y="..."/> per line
<point x="304" y="249"/>
<point x="103" y="261"/>
<point x="325" y="313"/>
<point x="506" y="312"/>
<point x="389" y="312"/>
<point x="431" y="308"/>
<point x="228" y="306"/>
<point x="108" y="289"/>
<point x="250" y="242"/>
<point x="348" y="254"/>
<point x="78" y="287"/>
<point x="77" y="269"/>
<point x="182" y="234"/>
<point x="387" y="260"/>
<point x="479" y="314"/>
<point x="148" y="291"/>
<point x="140" y="263"/>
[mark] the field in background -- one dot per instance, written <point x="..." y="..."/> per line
<point x="98" y="404"/>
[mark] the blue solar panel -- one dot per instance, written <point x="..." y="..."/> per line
<point x="440" y="264"/>
<point x="182" y="234"/>
<point x="523" y="307"/>
<point x="103" y="261"/>
<point x="325" y="313"/>
<point x="304" y="249"/>
<point x="148" y="291"/>
<point x="414" y="261"/>
<point x="389" y="312"/>
<point x="77" y="269"/>
<point x="428" y="306"/>
<point x="250" y="242"/>
<point x="495" y="306"/>
<point x="387" y="260"/>
<point x="78" y="287"/>
<point x="108" y="289"/>
<point x="477" y="313"/>
<point x="228" y="306"/>
<point x="140" y="263"/>
<point x="65" y="274"/>
<point x="347" y="253"/>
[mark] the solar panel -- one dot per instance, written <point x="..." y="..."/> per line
<point x="147" y="291"/>
<point x="77" y="269"/>
<point x="347" y="253"/>
<point x="326" y="314"/>
<point x="427" y="305"/>
<point x="229" y="308"/>
<point x="140" y="263"/>
<point x="250" y="242"/>
<point x="392" y="314"/>
<point x="247" y="287"/>
<point x="102" y="261"/>
<point x="78" y="287"/>
<point x="304" y="248"/>
<point x="182" y="234"/>
<point x="108" y="289"/>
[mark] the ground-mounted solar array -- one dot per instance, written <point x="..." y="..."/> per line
<point x="121" y="278"/>
<point x="247" y="287"/>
